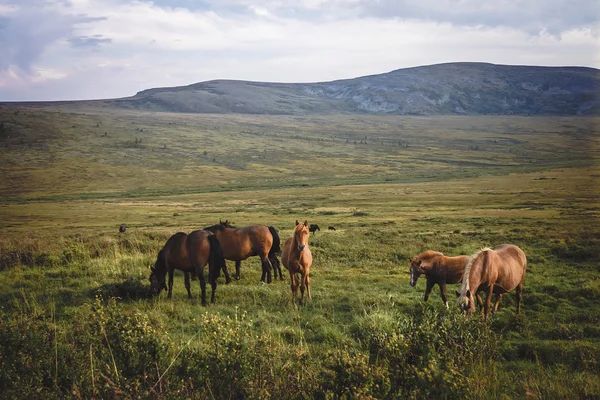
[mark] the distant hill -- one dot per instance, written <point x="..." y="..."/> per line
<point x="454" y="88"/>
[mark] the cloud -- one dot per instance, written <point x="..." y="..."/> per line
<point x="88" y="42"/>
<point x="28" y="29"/>
<point x="531" y="16"/>
<point x="80" y="49"/>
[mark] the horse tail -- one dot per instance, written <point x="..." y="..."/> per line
<point x="275" y="247"/>
<point x="216" y="261"/>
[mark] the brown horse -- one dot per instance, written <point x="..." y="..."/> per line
<point x="297" y="259"/>
<point x="254" y="240"/>
<point x="190" y="254"/>
<point x="498" y="270"/>
<point x="438" y="269"/>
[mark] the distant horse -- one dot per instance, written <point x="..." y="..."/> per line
<point x="297" y="259"/>
<point x="438" y="269"/>
<point x="122" y="228"/>
<point x="254" y="240"/>
<point x="331" y="228"/>
<point x="313" y="228"/>
<point x="498" y="270"/>
<point x="190" y="254"/>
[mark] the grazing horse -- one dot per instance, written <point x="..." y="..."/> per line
<point x="313" y="228"/>
<point x="190" y="254"/>
<point x="438" y="269"/>
<point x="122" y="228"/>
<point x="331" y="228"/>
<point x="297" y="259"/>
<point x="254" y="240"/>
<point x="498" y="270"/>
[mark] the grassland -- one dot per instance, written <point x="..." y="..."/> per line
<point x="77" y="321"/>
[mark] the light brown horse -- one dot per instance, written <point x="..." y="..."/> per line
<point x="190" y="254"/>
<point x="297" y="259"/>
<point x="438" y="269"/>
<point x="498" y="270"/>
<point x="254" y="240"/>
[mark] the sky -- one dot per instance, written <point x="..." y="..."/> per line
<point x="97" y="49"/>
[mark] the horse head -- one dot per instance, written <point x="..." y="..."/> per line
<point x="415" y="270"/>
<point x="466" y="301"/>
<point x="301" y="234"/>
<point x="157" y="280"/>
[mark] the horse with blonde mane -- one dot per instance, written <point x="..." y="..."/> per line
<point x="438" y="269"/>
<point x="498" y="270"/>
<point x="297" y="259"/>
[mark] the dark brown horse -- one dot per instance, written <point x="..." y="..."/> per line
<point x="498" y="270"/>
<point x="297" y="259"/>
<point x="254" y="240"/>
<point x="438" y="269"/>
<point x="190" y="254"/>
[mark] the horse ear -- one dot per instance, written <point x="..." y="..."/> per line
<point x="297" y="223"/>
<point x="220" y="222"/>
<point x="305" y="222"/>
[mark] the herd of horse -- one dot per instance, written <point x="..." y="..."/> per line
<point x="492" y="271"/>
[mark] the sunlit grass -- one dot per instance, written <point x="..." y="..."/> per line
<point x="61" y="249"/>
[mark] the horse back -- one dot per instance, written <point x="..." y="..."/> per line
<point x="198" y="248"/>
<point x="453" y="268"/>
<point x="256" y="238"/>
<point x="510" y="262"/>
<point x="174" y="253"/>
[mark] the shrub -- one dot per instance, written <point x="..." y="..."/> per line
<point x="433" y="354"/>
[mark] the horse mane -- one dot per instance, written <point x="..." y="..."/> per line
<point x="297" y="229"/>
<point x="159" y="264"/>
<point x="216" y="227"/>
<point x="465" y="280"/>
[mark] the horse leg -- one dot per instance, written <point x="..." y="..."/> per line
<point x="187" y="284"/>
<point x="200" y="273"/>
<point x="170" y="272"/>
<point x="294" y="286"/>
<point x="428" y="289"/>
<point x="307" y="279"/>
<point x="519" y="294"/>
<point x="266" y="266"/>
<point x="276" y="266"/>
<point x="238" y="264"/>
<point x="488" y="301"/>
<point x="227" y="277"/>
<point x="213" y="286"/>
<point x="497" y="303"/>
<point x="443" y="293"/>
<point x="302" y="285"/>
<point x="479" y="301"/>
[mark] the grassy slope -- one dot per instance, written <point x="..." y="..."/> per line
<point x="66" y="189"/>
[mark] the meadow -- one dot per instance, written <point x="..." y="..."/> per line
<point x="77" y="319"/>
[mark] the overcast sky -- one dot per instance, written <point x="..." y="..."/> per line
<point x="90" y="49"/>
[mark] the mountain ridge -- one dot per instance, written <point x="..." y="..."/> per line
<point x="465" y="88"/>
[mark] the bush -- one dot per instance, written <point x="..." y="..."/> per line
<point x="432" y="354"/>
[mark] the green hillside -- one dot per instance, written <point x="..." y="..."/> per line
<point x="77" y="321"/>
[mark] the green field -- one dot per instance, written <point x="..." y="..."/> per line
<point x="77" y="320"/>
